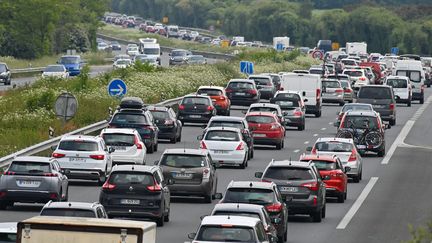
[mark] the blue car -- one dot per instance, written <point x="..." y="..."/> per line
<point x="72" y="63"/>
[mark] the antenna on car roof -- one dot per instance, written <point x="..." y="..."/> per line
<point x="290" y="161"/>
<point x="251" y="185"/>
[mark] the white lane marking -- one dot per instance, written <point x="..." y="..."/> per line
<point x="405" y="145"/>
<point x="330" y="123"/>
<point x="323" y="129"/>
<point x="357" y="204"/>
<point x="315" y="135"/>
<point x="297" y="150"/>
<point x="307" y="142"/>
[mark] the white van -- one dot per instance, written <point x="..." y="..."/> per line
<point x="401" y="88"/>
<point x="309" y="85"/>
<point x="152" y="50"/>
<point x="412" y="69"/>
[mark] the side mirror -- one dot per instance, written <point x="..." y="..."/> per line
<point x="156" y="162"/>
<point x="326" y="178"/>
<point x="204" y="126"/>
<point x="191" y="236"/>
<point x="347" y="169"/>
<point x="305" y="100"/>
<point x="203" y="216"/>
<point x="304" y="93"/>
<point x="111" y="150"/>
<point x="169" y="54"/>
<point x="170" y="182"/>
<point x="53" y="147"/>
<point x="218" y="196"/>
<point x="309" y="149"/>
<point x="199" y="137"/>
<point x="259" y="174"/>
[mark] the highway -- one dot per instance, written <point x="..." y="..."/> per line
<point x="378" y="209"/>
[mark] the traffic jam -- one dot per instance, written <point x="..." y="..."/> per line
<point x="235" y="123"/>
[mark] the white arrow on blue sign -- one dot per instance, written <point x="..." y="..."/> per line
<point x="247" y="67"/>
<point x="117" y="87"/>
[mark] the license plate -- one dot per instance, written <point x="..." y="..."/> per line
<point x="259" y="135"/>
<point x="130" y="201"/>
<point x="242" y="94"/>
<point x="76" y="159"/>
<point x="195" y="116"/>
<point x="289" y="189"/>
<point x="183" y="175"/>
<point x="378" y="106"/>
<point x="26" y="183"/>
<point x="119" y="147"/>
<point x="220" y="151"/>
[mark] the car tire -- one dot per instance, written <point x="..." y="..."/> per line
<point x="173" y="140"/>
<point x="150" y="149"/>
<point x="66" y="198"/>
<point x="167" y="216"/>
<point x="228" y="112"/>
<point x="393" y="122"/>
<point x="244" y="164"/>
<point x="318" y="113"/>
<point x="279" y="146"/>
<point x="422" y="100"/>
<point x="323" y="211"/>
<point x="341" y="198"/>
<point x="3" y="205"/>
<point x="317" y="216"/>
<point x="409" y="103"/>
<point x="156" y="146"/>
<point x="381" y="153"/>
<point x="428" y="85"/>
<point x="346" y="194"/>
<point x="252" y="153"/>
<point x="208" y="198"/>
<point x="356" y="178"/>
<point x="180" y="136"/>
<point x="301" y="127"/>
<point x="160" y="221"/>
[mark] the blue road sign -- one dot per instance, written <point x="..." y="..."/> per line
<point x="117" y="87"/>
<point x="394" y="50"/>
<point x="247" y="67"/>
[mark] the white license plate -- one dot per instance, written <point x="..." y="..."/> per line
<point x="26" y="183"/>
<point x="183" y="175"/>
<point x="130" y="201"/>
<point x="195" y="116"/>
<point x="378" y="106"/>
<point x="74" y="159"/>
<point x="220" y="151"/>
<point x="259" y="135"/>
<point x="119" y="147"/>
<point x="242" y="94"/>
<point x="289" y="189"/>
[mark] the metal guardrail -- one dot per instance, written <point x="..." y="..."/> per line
<point x="27" y="70"/>
<point x="34" y="149"/>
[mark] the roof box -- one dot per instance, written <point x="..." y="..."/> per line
<point x="132" y="102"/>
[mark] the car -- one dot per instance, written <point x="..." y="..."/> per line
<point x="300" y="185"/>
<point x="192" y="171"/>
<point x="382" y="99"/>
<point x="266" y="129"/>
<point x="242" y="92"/>
<point x="401" y="88"/>
<point x="74" y="209"/>
<point x="266" y="107"/>
<point x="179" y="56"/>
<point x="132" y="50"/>
<point x="291" y="94"/>
<point x="276" y="78"/>
<point x="122" y="63"/>
<point x="348" y="91"/>
<point x="133" y="114"/>
<point x="354" y="107"/>
<point x="219" y="98"/>
<point x="318" y="71"/>
<point x="152" y="61"/>
<point x="231" y="229"/>
<point x="292" y="112"/>
<point x="349" y="62"/>
<point x="102" y="46"/>
<point x="196" y="59"/>
<point x="137" y="191"/>
<point x="332" y="92"/>
<point x="73" y="64"/>
<point x="33" y="179"/>
<point x="127" y="143"/>
<point x="8" y="232"/>
<point x="58" y="71"/>
<point x="265" y="194"/>
<point x="84" y="157"/>
<point x="115" y="46"/>
<point x="265" y="85"/>
<point x="331" y="168"/>
<point x="196" y="108"/>
<point x="413" y="69"/>
<point x="166" y="120"/>
<point x="226" y="146"/>
<point x="5" y="74"/>
<point x="249" y="210"/>
<point x="236" y="122"/>
<point x="122" y="56"/>
<point x="358" y="77"/>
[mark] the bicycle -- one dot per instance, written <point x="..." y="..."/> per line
<point x="370" y="138"/>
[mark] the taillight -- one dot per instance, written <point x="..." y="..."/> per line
<point x="53" y="196"/>
<point x="298" y="113"/>
<point x="264" y="180"/>
<point x="97" y="156"/>
<point x="362" y="79"/>
<point x="228" y="90"/>
<point x="318" y="94"/>
<point x="348" y="91"/>
<point x="58" y="155"/>
<point x="276" y="207"/>
<point x="181" y="107"/>
<point x="108" y="186"/>
<point x="203" y="145"/>
<point x="50" y="174"/>
<point x="392" y="106"/>
<point x="137" y="143"/>
<point x="154" y="188"/>
<point x="112" y="126"/>
<point x="339" y="90"/>
<point x="9" y="173"/>
<point x="313" y="186"/>
<point x="206" y="173"/>
<point x="210" y="108"/>
<point x="240" y="146"/>
<point x="353" y="156"/>
<point x="222" y="98"/>
<point x="252" y="91"/>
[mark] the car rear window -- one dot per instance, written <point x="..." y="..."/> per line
<point x="284" y="104"/>
<point x="331" y="84"/>
<point x="29" y="167"/>
<point x="210" y="92"/>
<point x="219" y="233"/>
<point x="240" y="85"/>
<point x="333" y="146"/>
<point x="222" y="135"/>
<point x="288" y="173"/>
<point x="249" y="195"/>
<point x="260" y="119"/>
<point x="183" y="161"/>
<point x="397" y="83"/>
<point x="361" y="122"/>
<point x="195" y="100"/>
<point x="68" y="212"/>
<point x="356" y="107"/>
<point x="288" y="95"/>
<point x="354" y="73"/>
<point x="238" y="213"/>
<point x="261" y="81"/>
<point x="263" y="109"/>
<point x="344" y="84"/>
<point x="8" y="237"/>
<point x="325" y="165"/>
<point x="375" y="93"/>
<point x="234" y="124"/>
<point x="129" y="177"/>
<point x="160" y="115"/>
<point x="119" y="139"/>
<point x="129" y="118"/>
<point x="77" y="145"/>
<point x="315" y="71"/>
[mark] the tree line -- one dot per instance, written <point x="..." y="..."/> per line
<point x="33" y="28"/>
<point x="381" y="26"/>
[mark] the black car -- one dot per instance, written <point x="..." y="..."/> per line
<point x="137" y="191"/>
<point x="166" y="120"/>
<point x="196" y="108"/>
<point x="5" y="74"/>
<point x="133" y="114"/>
<point x="382" y="99"/>
<point x="242" y="92"/>
<point x="301" y="187"/>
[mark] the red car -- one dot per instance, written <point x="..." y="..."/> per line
<point x="333" y="174"/>
<point x="150" y="29"/>
<point x="266" y="129"/>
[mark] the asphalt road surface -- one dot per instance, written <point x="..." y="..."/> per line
<point x="378" y="209"/>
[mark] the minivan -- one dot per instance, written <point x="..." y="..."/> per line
<point x="414" y="71"/>
<point x="382" y="99"/>
<point x="401" y="88"/>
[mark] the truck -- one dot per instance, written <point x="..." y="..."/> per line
<point x="152" y="50"/>
<point x="325" y="45"/>
<point x="282" y="41"/>
<point x="356" y="48"/>
<point x="43" y="229"/>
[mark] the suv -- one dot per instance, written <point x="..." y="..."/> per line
<point x="301" y="186"/>
<point x="179" y="56"/>
<point x="219" y="98"/>
<point x="332" y="92"/>
<point x="137" y="191"/>
<point x="166" y="120"/>
<point x="266" y="129"/>
<point x="242" y="92"/>
<point x="382" y="99"/>
<point x="261" y="193"/>
<point x="265" y="85"/>
<point x="132" y="114"/>
<point x="192" y="171"/>
<point x="5" y="74"/>
<point x="196" y="108"/>
<point x="74" y="209"/>
<point x="127" y="143"/>
<point x="276" y="78"/>
<point x="32" y="179"/>
<point x="84" y="157"/>
<point x="354" y="107"/>
<point x="292" y="112"/>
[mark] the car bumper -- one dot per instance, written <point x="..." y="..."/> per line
<point x="312" y="109"/>
<point x="294" y="121"/>
<point x="200" y="118"/>
<point x="266" y="141"/>
<point x="302" y="206"/>
<point x="27" y="196"/>
<point x="132" y="212"/>
<point x="417" y="95"/>
<point x="167" y="133"/>
<point x="84" y="174"/>
<point x="232" y="157"/>
<point x="191" y="190"/>
<point x="266" y="94"/>
<point x="333" y="99"/>
<point x="137" y="159"/>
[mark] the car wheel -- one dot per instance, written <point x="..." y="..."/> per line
<point x="356" y="178"/>
<point x="3" y="205"/>
<point x="381" y="153"/>
<point x="173" y="140"/>
<point x="150" y="149"/>
<point x="228" y="112"/>
<point x="428" y="85"/>
<point x="208" y="198"/>
<point x="279" y="145"/>
<point x="301" y="128"/>
<point x="409" y="103"/>
<point x="341" y="198"/>
<point x="160" y="221"/>
<point x="285" y="237"/>
<point x="244" y="164"/>
<point x="317" y="216"/>
<point x="393" y="122"/>
<point x="252" y="153"/>
<point x="280" y="239"/>
<point x="323" y="211"/>
<point x="156" y="146"/>
<point x="318" y="113"/>
<point x="66" y="197"/>
<point x="422" y="100"/>
<point x="167" y="217"/>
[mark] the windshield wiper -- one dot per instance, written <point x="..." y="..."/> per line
<point x="295" y="178"/>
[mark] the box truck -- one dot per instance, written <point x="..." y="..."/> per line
<point x="356" y="48"/>
<point x="281" y="40"/>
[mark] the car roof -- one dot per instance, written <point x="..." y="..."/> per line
<point x="227" y="118"/>
<point x="251" y="184"/>
<point x="140" y="168"/>
<point x="212" y="87"/>
<point x="33" y="159"/>
<point x="288" y="92"/>
<point x="259" y="76"/>
<point x="230" y="220"/>
<point x="188" y="151"/>
<point x="196" y="96"/>
<point x="397" y="77"/>
<point x="313" y="157"/>
<point x="361" y="113"/>
<point x="72" y="205"/>
<point x="119" y="130"/>
<point x="332" y="139"/>
<point x="233" y="129"/>
<point x="238" y="207"/>
<point x="80" y="137"/>
<point x="157" y="108"/>
<point x="242" y="80"/>
<point x="71" y="56"/>
<point x="358" y="104"/>
<point x="8" y="227"/>
<point x="288" y="163"/>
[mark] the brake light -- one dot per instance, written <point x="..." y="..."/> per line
<point x="362" y="79"/>
<point x="264" y="180"/>
<point x="97" y="156"/>
<point x="313" y="186"/>
<point x="2" y="194"/>
<point x="392" y="106"/>
<point x="203" y="145"/>
<point x="318" y="94"/>
<point x="348" y="91"/>
<point x="228" y="90"/>
<point x="206" y="173"/>
<point x="298" y="113"/>
<point x="154" y="188"/>
<point x="53" y="196"/>
<point x="339" y="91"/>
<point x="275" y="127"/>
<point x="108" y="186"/>
<point x="252" y="91"/>
<point x="9" y="173"/>
<point x="222" y="98"/>
<point x="137" y="143"/>
<point x="276" y="207"/>
<point x="210" y="108"/>
<point x="181" y="107"/>
<point x="58" y="155"/>
<point x="50" y="174"/>
<point x="240" y="146"/>
<point x="353" y="156"/>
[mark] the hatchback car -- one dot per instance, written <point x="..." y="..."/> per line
<point x="348" y="91"/>
<point x="196" y="108"/>
<point x="242" y="92"/>
<point x="292" y="112"/>
<point x="358" y="78"/>
<point x="166" y="120"/>
<point x="132" y="50"/>
<point x="179" y="56"/>
<point x="401" y="88"/>
<point x="351" y="107"/>
<point x="127" y="143"/>
<point x="265" y="85"/>
<point x="276" y="78"/>
<point x="32" y="179"/>
<point x="137" y="191"/>
<point x="301" y="186"/>
<point x="5" y="74"/>
<point x="333" y="173"/>
<point x="219" y="98"/>
<point x="192" y="171"/>
<point x="332" y="92"/>
<point x="57" y="71"/>
<point x="266" y="129"/>
<point x="382" y="99"/>
<point x="74" y="209"/>
<point x="266" y="107"/>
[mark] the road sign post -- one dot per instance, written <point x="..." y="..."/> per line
<point x="246" y="67"/>
<point x="117" y="88"/>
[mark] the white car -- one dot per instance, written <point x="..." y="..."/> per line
<point x="8" y="232"/>
<point x="84" y="157"/>
<point x="132" y="50"/>
<point x="194" y="34"/>
<point x="58" y="71"/>
<point x="102" y="46"/>
<point x="122" y="63"/>
<point x="358" y="77"/>
<point x="401" y="88"/>
<point x="128" y="145"/>
<point x="266" y="107"/>
<point x="225" y="145"/>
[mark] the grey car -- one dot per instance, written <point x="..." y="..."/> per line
<point x="74" y="209"/>
<point x="332" y="92"/>
<point x="265" y="85"/>
<point x="192" y="171"/>
<point x="33" y="179"/>
<point x="382" y="99"/>
<point x="179" y="56"/>
<point x="5" y="74"/>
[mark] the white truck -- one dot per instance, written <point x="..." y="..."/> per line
<point x="44" y="229"/>
<point x="152" y="50"/>
<point x="281" y="40"/>
<point x="356" y="48"/>
<point x="238" y="38"/>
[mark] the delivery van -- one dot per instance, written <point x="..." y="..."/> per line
<point x="412" y="69"/>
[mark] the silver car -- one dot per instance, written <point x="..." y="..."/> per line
<point x="332" y="92"/>
<point x="74" y="209"/>
<point x="33" y="179"/>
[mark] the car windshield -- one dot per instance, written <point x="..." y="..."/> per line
<point x="78" y="145"/>
<point x="133" y="48"/>
<point x="331" y="84"/>
<point x="375" y="93"/>
<point x="344" y="84"/>
<point x="152" y="51"/>
<point x="221" y="135"/>
<point x="178" y="53"/>
<point x="183" y="161"/>
<point x="114" y="43"/>
<point x="2" y="68"/>
<point x="8" y="237"/>
<point x="260" y="119"/>
<point x="69" y="60"/>
<point x="119" y="139"/>
<point x="397" y="83"/>
<point x="129" y="118"/>
<point x="261" y="81"/>
<point x="355" y="107"/>
<point x="209" y="92"/>
<point x="130" y="177"/>
<point x="56" y="68"/>
<point x="123" y="62"/>
<point x="68" y="212"/>
<point x="29" y="167"/>
<point x="333" y="146"/>
<point x="160" y="115"/>
<point x="216" y="233"/>
<point x="238" y="213"/>
<point x="227" y="124"/>
<point x="195" y="101"/>
<point x="354" y="73"/>
<point x="121" y="57"/>
<point x="249" y="195"/>
<point x="361" y="122"/>
<point x="288" y="173"/>
<point x="240" y="85"/>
